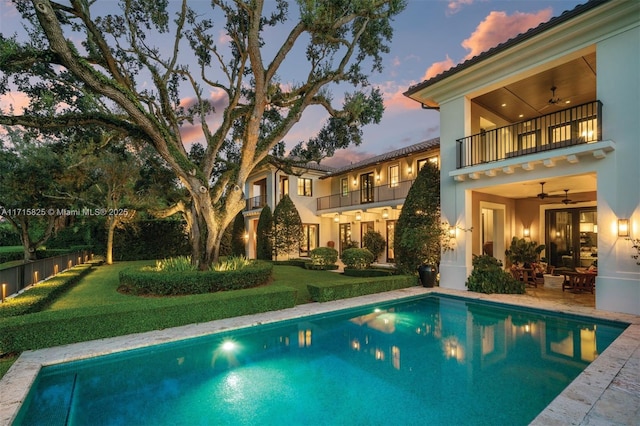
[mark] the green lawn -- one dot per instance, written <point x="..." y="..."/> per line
<point x="10" y="249"/>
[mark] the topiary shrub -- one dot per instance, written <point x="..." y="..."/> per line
<point x="264" y="243"/>
<point x="375" y="243"/>
<point x="489" y="277"/>
<point x="287" y="227"/>
<point x="418" y="232"/>
<point x="324" y="256"/>
<point x="237" y="236"/>
<point x="357" y="258"/>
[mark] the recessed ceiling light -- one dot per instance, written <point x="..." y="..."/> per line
<point x="504" y="105"/>
<point x="521" y="115"/>
<point x="567" y="102"/>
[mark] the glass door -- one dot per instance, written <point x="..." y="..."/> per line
<point x="572" y="239"/>
<point x="366" y="188"/>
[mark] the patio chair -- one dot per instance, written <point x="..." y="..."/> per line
<point x="579" y="282"/>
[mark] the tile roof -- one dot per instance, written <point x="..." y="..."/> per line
<point x="402" y="152"/>
<point x="565" y="16"/>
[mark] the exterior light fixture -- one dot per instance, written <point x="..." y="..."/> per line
<point x="4" y="292"/>
<point x="623" y="227"/>
<point x="409" y="170"/>
<point x="359" y="216"/>
<point x="246" y="236"/>
<point x="336" y="218"/>
<point x="377" y="176"/>
<point x="355" y="182"/>
<point x="385" y="213"/>
<point x="452" y="231"/>
<point x="526" y="232"/>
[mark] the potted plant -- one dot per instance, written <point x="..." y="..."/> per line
<point x="523" y="253"/>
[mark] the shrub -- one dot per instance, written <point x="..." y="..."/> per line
<point x="324" y="256"/>
<point x="418" y="231"/>
<point x="287" y="227"/>
<point x="264" y="245"/>
<point x="175" y="264"/>
<point x="489" y="277"/>
<point x="232" y="263"/>
<point x="237" y="236"/>
<point x="325" y="292"/>
<point x="146" y="281"/>
<point x="374" y="242"/>
<point x="357" y="258"/>
<point x="369" y="272"/>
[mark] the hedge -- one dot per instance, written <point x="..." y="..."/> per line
<point x="326" y="292"/>
<point x="148" y="282"/>
<point x="369" y="272"/>
<point x="302" y="263"/>
<point x="53" y="328"/>
<point x="39" y="296"/>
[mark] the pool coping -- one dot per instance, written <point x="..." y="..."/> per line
<point x="606" y="392"/>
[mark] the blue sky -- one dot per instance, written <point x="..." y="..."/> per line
<point x="430" y="37"/>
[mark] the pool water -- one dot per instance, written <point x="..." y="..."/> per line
<point x="428" y="360"/>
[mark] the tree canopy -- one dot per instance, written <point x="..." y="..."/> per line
<point x="132" y="70"/>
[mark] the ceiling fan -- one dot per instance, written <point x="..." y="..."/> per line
<point x="554" y="99"/>
<point x="542" y="195"/>
<point x="566" y="199"/>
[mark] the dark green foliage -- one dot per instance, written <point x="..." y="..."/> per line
<point x="301" y="263"/>
<point x="325" y="292"/>
<point x="11" y="256"/>
<point x="41" y="295"/>
<point x="148" y="239"/>
<point x="350" y="244"/>
<point x="374" y="242"/>
<point x="489" y="277"/>
<point x="324" y="256"/>
<point x="264" y="246"/>
<point x="53" y="328"/>
<point x="225" y="243"/>
<point x="237" y="236"/>
<point x="9" y="236"/>
<point x="148" y="282"/>
<point x="369" y="272"/>
<point x="357" y="258"/>
<point x="287" y="227"/>
<point x="523" y="252"/>
<point x="418" y="231"/>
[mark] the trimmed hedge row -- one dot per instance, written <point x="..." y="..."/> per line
<point x="39" y="296"/>
<point x="301" y="263"/>
<point x="53" y="328"/>
<point x="369" y="272"/>
<point x="326" y="292"/>
<point x="149" y="282"/>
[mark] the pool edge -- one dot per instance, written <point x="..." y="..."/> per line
<point x="586" y="397"/>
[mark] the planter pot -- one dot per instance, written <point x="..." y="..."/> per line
<point x="428" y="275"/>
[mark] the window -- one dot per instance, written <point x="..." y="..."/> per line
<point x="344" y="187"/>
<point x="310" y="232"/>
<point x="394" y="175"/>
<point x="433" y="160"/>
<point x="366" y="188"/>
<point x="304" y="187"/>
<point x="284" y="186"/>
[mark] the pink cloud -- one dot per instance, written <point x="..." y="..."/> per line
<point x="17" y="100"/>
<point x="454" y="6"/>
<point x="438" y="68"/>
<point x="499" y="27"/>
<point x="347" y="156"/>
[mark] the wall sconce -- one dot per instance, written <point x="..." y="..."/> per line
<point x="336" y="218"/>
<point x="385" y="213"/>
<point x="359" y="216"/>
<point x="355" y="182"/>
<point x="378" y="177"/>
<point x="409" y="170"/>
<point x="246" y="236"/>
<point x="452" y="232"/>
<point x="526" y="232"/>
<point x="623" y="227"/>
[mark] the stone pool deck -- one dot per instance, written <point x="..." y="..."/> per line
<point x="606" y="393"/>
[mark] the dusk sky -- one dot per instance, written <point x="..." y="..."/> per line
<point x="430" y="37"/>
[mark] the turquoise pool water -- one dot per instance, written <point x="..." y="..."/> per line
<point x="429" y="360"/>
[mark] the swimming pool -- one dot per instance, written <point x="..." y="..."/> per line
<point x="440" y="360"/>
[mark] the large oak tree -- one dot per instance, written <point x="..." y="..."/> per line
<point x="148" y="69"/>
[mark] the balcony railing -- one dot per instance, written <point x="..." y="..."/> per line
<point x="256" y="202"/>
<point x="573" y="126"/>
<point x="359" y="197"/>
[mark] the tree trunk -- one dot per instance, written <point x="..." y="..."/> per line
<point x="111" y="228"/>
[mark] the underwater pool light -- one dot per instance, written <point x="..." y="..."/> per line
<point x="228" y="346"/>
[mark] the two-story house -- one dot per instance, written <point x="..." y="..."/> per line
<point x="540" y="138"/>
<point x="338" y="206"/>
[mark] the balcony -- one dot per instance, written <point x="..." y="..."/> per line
<point x="573" y="126"/>
<point x="256" y="202"/>
<point x="360" y="197"/>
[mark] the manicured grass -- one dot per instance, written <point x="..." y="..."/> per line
<point x="10" y="249"/>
